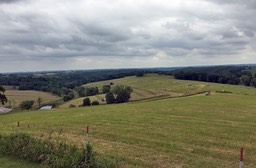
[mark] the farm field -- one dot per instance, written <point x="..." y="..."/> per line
<point x="15" y="97"/>
<point x="153" y="86"/>
<point x="195" y="131"/>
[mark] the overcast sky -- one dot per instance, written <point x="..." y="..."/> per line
<point x="95" y="34"/>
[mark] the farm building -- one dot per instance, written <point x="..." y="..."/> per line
<point x="5" y="110"/>
<point x="46" y="108"/>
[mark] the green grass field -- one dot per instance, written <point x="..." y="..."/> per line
<point x="193" y="132"/>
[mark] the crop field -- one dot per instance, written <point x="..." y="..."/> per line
<point x="15" y="97"/>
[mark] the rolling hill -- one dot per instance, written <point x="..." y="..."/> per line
<point x="192" y="132"/>
<point x="153" y="86"/>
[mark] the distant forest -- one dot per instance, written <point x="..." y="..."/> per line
<point x="234" y="75"/>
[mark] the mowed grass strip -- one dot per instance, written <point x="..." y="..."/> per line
<point x="198" y="131"/>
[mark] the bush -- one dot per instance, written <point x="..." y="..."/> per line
<point x="95" y="102"/>
<point x="58" y="155"/>
<point x="26" y="105"/>
<point x="110" y="99"/>
<point x="106" y="89"/>
<point x="86" y="102"/>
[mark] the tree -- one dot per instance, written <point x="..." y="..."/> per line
<point x="105" y="89"/>
<point x="246" y="80"/>
<point x="90" y="91"/>
<point x="39" y="101"/>
<point x="110" y="99"/>
<point x="66" y="98"/>
<point x="253" y="82"/>
<point x="122" y="93"/>
<point x="86" y="102"/>
<point x="139" y="74"/>
<point x="3" y="98"/>
<point x="26" y="105"/>
<point x="81" y="91"/>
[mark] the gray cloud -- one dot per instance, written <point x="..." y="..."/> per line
<point x="8" y="1"/>
<point x="147" y="33"/>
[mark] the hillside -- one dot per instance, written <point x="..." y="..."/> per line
<point x="15" y="97"/>
<point x="192" y="132"/>
<point x="153" y="86"/>
<point x="185" y="132"/>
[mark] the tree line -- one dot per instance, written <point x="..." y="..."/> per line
<point x="224" y="74"/>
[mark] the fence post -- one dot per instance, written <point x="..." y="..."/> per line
<point x="86" y="146"/>
<point x="241" y="157"/>
<point x="87" y="135"/>
<point x="18" y="127"/>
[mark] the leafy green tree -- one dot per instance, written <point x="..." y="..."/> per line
<point x="246" y="80"/>
<point x="139" y="74"/>
<point x="253" y="82"/>
<point x="26" y="105"/>
<point x="122" y="93"/>
<point x="105" y="89"/>
<point x="90" y="91"/>
<point x="110" y="99"/>
<point x="81" y="91"/>
<point x="66" y="98"/>
<point x="3" y="98"/>
<point x="86" y="102"/>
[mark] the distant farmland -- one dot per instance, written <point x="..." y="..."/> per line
<point x="15" y="97"/>
<point x="153" y="86"/>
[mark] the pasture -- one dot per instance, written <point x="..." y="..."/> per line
<point x="168" y="123"/>
<point x="195" y="131"/>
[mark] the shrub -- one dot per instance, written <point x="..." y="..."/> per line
<point x="58" y="155"/>
<point x="86" y="102"/>
<point x="95" y="102"/>
<point x="26" y="105"/>
<point x="106" y="89"/>
<point x="110" y="99"/>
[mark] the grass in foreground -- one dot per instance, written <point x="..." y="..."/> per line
<point x="8" y="162"/>
<point x="193" y="132"/>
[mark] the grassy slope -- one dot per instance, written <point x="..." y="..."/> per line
<point x="197" y="131"/>
<point x="151" y="86"/>
<point x="15" y="97"/>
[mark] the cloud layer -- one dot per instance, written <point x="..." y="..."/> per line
<point x="85" y="34"/>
